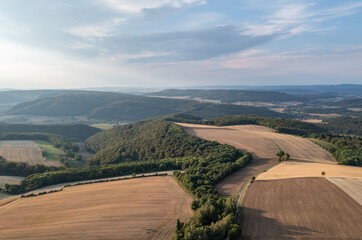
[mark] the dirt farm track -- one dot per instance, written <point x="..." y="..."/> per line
<point x="312" y="208"/>
<point x="141" y="208"/>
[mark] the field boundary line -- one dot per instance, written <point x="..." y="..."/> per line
<point x="245" y="187"/>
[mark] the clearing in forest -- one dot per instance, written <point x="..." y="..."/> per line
<point x="24" y="151"/>
<point x="140" y="208"/>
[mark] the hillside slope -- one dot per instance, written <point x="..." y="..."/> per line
<point x="147" y="140"/>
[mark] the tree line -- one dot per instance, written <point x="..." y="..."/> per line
<point x="347" y="150"/>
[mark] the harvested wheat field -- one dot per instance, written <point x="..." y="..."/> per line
<point x="24" y="151"/>
<point x="141" y="208"/>
<point x="307" y="158"/>
<point x="300" y="208"/>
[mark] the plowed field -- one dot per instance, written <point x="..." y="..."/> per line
<point x="300" y="208"/>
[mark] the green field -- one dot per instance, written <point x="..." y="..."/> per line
<point x="103" y="126"/>
<point x="52" y="153"/>
<point x="77" y="164"/>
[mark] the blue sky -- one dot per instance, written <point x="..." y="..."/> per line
<point x="170" y="43"/>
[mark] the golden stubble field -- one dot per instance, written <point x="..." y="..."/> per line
<point x="24" y="151"/>
<point x="141" y="208"/>
<point x="307" y="158"/>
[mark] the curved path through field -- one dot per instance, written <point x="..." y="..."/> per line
<point x="140" y="208"/>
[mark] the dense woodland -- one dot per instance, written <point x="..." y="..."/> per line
<point x="144" y="141"/>
<point x="346" y="150"/>
<point x="74" y="132"/>
<point x="343" y="126"/>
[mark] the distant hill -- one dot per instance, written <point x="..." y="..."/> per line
<point x="18" y="96"/>
<point x="126" y="107"/>
<point x="233" y="96"/>
<point x="76" y="132"/>
<point x="339" y="89"/>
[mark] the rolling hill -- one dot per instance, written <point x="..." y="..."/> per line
<point x="126" y="107"/>
<point x="233" y="96"/>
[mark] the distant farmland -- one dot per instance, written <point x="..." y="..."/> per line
<point x="300" y="208"/>
<point x="141" y="208"/>
<point x="24" y="151"/>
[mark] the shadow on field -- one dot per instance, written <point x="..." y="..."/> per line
<point x="232" y="184"/>
<point x="256" y="226"/>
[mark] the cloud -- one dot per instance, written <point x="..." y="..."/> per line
<point x="137" y="6"/>
<point x="312" y="61"/>
<point x="186" y="45"/>
<point x="291" y="18"/>
<point x="103" y="29"/>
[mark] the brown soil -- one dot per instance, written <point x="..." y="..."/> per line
<point x="24" y="151"/>
<point x="302" y="208"/>
<point x="142" y="208"/>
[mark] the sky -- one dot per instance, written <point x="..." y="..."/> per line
<point x="175" y="43"/>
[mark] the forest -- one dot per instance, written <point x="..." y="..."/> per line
<point x="73" y="132"/>
<point x="343" y="125"/>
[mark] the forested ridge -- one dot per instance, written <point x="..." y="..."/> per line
<point x="76" y="132"/>
<point x="126" y="107"/>
<point x="146" y="140"/>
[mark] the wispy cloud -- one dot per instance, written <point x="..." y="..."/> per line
<point x="188" y="45"/>
<point x="103" y="29"/>
<point x="136" y="6"/>
<point x="291" y="18"/>
<point x="311" y="61"/>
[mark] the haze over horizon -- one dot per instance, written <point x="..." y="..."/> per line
<point x="175" y="43"/>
